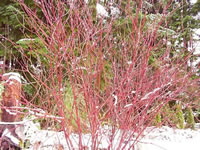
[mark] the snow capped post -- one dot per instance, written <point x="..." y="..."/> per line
<point x="10" y="100"/>
<point x="10" y="96"/>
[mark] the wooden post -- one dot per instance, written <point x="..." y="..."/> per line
<point x="10" y="97"/>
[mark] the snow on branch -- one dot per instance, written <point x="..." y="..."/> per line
<point x="154" y="91"/>
<point x="36" y="112"/>
<point x="150" y="93"/>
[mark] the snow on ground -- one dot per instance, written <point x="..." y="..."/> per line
<point x="166" y="138"/>
<point x="163" y="138"/>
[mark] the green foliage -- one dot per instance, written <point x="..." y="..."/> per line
<point x="92" y="6"/>
<point x="180" y="116"/>
<point x="183" y="21"/>
<point x="34" y="49"/>
<point x="158" y="120"/>
<point x="105" y="76"/>
<point x="29" y="90"/>
<point x="195" y="8"/>
<point x="122" y="27"/>
<point x="11" y="20"/>
<point x="175" y="114"/>
<point x="71" y="115"/>
<point x="1" y="90"/>
<point x="189" y="117"/>
<point x="12" y="28"/>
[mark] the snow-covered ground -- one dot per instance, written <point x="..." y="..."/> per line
<point x="166" y="138"/>
<point x="163" y="138"/>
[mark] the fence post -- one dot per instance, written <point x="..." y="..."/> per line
<point x="10" y="97"/>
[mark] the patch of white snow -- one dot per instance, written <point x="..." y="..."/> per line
<point x="101" y="11"/>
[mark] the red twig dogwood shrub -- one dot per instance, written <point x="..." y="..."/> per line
<point x="95" y="71"/>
